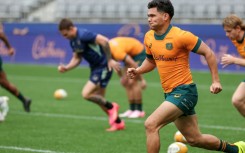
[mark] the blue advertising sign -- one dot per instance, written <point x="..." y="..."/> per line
<point x="42" y="43"/>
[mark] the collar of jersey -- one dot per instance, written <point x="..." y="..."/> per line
<point x="242" y="39"/>
<point x="161" y="37"/>
<point x="77" y="34"/>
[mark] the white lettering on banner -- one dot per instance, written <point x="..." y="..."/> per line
<point x="46" y="49"/>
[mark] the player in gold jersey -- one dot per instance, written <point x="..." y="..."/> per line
<point x="235" y="30"/>
<point x="168" y="49"/>
<point x="131" y="52"/>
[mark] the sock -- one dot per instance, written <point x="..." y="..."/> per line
<point x="118" y="120"/>
<point x="21" y="98"/>
<point x="108" y="105"/>
<point x="132" y="106"/>
<point x="227" y="147"/>
<point x="139" y="107"/>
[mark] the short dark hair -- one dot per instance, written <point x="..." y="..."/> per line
<point x="65" y="24"/>
<point x="162" y="6"/>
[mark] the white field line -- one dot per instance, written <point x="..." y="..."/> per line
<point x="112" y="82"/>
<point x="137" y="121"/>
<point x="27" y="149"/>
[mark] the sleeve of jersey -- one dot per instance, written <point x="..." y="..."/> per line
<point x="87" y="36"/>
<point x="192" y="42"/>
<point x="147" y="49"/>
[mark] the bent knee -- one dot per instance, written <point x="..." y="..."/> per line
<point x="150" y="125"/>
<point x="85" y="95"/>
<point x="237" y="101"/>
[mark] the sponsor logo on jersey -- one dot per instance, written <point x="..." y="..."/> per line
<point x="163" y="58"/>
<point x="169" y="46"/>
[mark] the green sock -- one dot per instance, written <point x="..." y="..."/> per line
<point x="139" y="107"/>
<point x="227" y="147"/>
<point x="132" y="106"/>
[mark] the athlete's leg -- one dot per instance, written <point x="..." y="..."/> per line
<point x="164" y="114"/>
<point x="124" y="80"/>
<point x="136" y="95"/>
<point x="238" y="98"/>
<point x="7" y="85"/>
<point x="188" y="126"/>
<point x="90" y="92"/>
<point x="4" y="82"/>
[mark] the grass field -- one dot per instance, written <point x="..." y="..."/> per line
<point x="74" y="125"/>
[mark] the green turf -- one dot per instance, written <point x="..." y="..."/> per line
<point x="74" y="125"/>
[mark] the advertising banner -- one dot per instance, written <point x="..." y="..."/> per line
<point x="42" y="43"/>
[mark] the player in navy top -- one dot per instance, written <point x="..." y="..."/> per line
<point x="4" y="82"/>
<point x="94" y="48"/>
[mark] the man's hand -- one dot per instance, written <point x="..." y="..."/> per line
<point x="112" y="64"/>
<point x="215" y="88"/>
<point x="11" y="51"/>
<point x="131" y="73"/>
<point x="227" y="59"/>
<point x="62" y="68"/>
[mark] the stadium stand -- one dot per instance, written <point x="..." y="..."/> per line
<point x="115" y="11"/>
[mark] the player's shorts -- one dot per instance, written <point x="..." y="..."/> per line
<point x="184" y="97"/>
<point x="140" y="57"/>
<point x="100" y="76"/>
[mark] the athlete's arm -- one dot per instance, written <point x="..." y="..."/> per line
<point x="228" y="59"/>
<point x="4" y="38"/>
<point x="74" y="62"/>
<point x="211" y="60"/>
<point x="131" y="63"/>
<point x="147" y="66"/>
<point x="104" y="42"/>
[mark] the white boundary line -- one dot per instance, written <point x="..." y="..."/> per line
<point x="27" y="149"/>
<point x="137" y="121"/>
<point x="219" y="127"/>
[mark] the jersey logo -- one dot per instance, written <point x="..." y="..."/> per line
<point x="95" y="78"/>
<point x="77" y="50"/>
<point x="169" y="46"/>
<point x="150" y="45"/>
<point x="177" y="95"/>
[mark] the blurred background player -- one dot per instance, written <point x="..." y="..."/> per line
<point x="4" y="82"/>
<point x="4" y="108"/>
<point x="235" y="31"/>
<point x="94" y="48"/>
<point x="131" y="52"/>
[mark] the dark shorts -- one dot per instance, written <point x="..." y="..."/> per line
<point x="184" y="97"/>
<point x="100" y="76"/>
<point x="140" y="58"/>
